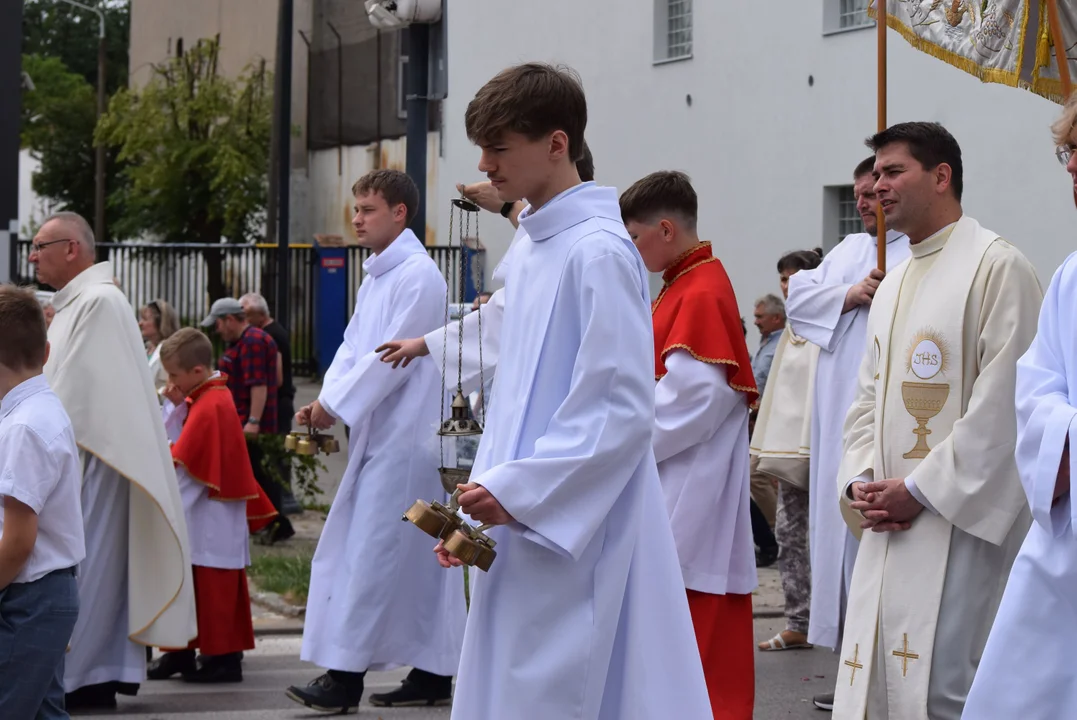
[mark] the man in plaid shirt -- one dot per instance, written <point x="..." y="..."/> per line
<point x="250" y="362"/>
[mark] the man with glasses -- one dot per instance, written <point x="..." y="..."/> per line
<point x="139" y="592"/>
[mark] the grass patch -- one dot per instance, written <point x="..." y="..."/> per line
<point x="322" y="508"/>
<point x="286" y="575"/>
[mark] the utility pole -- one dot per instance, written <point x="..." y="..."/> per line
<point x="418" y="116"/>
<point x="11" y="89"/>
<point x="284" y="157"/>
<point x="99" y="150"/>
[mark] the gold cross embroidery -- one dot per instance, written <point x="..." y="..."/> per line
<point x="854" y="664"/>
<point x="905" y="655"/>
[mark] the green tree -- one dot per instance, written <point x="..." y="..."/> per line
<point x="58" y="118"/>
<point x="59" y="30"/>
<point x="196" y="148"/>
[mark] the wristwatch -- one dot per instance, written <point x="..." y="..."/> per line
<point x="507" y="208"/>
<point x="254" y="421"/>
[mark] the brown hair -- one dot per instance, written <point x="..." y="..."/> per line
<point x="585" y="166"/>
<point x="534" y="100"/>
<point x="396" y="187"/>
<point x="929" y="143"/>
<point x="187" y="348"/>
<point x="866" y="167"/>
<point x="663" y="192"/>
<point x="165" y="317"/>
<point x="22" y="326"/>
<point x="800" y="260"/>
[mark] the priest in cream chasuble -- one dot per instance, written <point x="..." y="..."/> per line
<point x="935" y="409"/>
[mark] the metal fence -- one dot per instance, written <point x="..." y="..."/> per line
<point x="189" y="275"/>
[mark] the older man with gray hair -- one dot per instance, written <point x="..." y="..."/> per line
<point x="770" y="321"/>
<point x="132" y="594"/>
<point x="256" y="309"/>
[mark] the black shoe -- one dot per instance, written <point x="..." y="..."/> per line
<point x="91" y="697"/>
<point x="180" y="662"/>
<point x="419" y="688"/>
<point x="201" y="659"/>
<point x="280" y="530"/>
<point x="217" y="669"/>
<point x="331" y="694"/>
<point x="766" y="558"/>
<point x="824" y="702"/>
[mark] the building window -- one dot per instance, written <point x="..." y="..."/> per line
<point x="673" y="30"/>
<point x="853" y="13"/>
<point x="840" y="218"/>
<point x="848" y="218"/>
<point x="842" y="15"/>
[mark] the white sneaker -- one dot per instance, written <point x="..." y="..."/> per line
<point x="824" y="702"/>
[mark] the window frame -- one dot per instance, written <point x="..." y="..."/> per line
<point x="663" y="32"/>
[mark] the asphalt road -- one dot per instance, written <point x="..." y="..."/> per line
<point x="785" y="684"/>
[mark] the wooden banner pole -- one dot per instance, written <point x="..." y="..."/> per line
<point x="1055" y="26"/>
<point x="880" y="22"/>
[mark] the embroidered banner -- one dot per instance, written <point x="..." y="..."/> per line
<point x="998" y="41"/>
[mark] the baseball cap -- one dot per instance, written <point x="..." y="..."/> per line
<point x="222" y="308"/>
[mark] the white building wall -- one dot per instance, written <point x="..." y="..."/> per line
<point x="330" y="200"/>
<point x="760" y="143"/>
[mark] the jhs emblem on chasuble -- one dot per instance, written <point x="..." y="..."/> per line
<point x="928" y="355"/>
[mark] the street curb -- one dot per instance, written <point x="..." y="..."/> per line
<point x="278" y="630"/>
<point x="274" y="602"/>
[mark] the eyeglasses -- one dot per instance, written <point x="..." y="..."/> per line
<point x="1064" y="153"/>
<point x="38" y="247"/>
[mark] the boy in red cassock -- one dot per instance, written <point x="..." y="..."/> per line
<point x="222" y="502"/>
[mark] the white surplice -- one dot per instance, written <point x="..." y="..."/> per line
<point x="1026" y="670"/>
<point x="218" y="528"/>
<point x="814" y="308"/>
<point x="783" y="427"/>
<point x="141" y="589"/>
<point x="378" y="598"/>
<point x="701" y="445"/>
<point x="583" y="613"/>
<point x="944" y="336"/>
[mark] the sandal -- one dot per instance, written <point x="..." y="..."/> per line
<point x="778" y="642"/>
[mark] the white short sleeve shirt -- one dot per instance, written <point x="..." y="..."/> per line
<point x="39" y="467"/>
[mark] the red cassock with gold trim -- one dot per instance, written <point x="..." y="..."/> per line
<point x="697" y="312"/>
<point x="213" y="451"/>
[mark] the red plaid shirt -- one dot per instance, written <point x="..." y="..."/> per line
<point x="248" y="362"/>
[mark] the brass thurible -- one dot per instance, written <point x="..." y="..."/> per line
<point x="459" y="424"/>
<point x="470" y="545"/>
<point x="460" y="539"/>
<point x="311" y="443"/>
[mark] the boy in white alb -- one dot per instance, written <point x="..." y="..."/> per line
<point x="41" y="534"/>
<point x="376" y="600"/>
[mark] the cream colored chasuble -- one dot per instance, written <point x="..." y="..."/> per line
<point x="917" y="381"/>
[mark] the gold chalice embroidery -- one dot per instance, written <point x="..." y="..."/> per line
<point x="928" y="355"/>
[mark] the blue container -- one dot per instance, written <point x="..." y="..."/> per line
<point x="330" y="303"/>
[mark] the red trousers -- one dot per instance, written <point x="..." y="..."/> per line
<point x="725" y="634"/>
<point x="223" y="609"/>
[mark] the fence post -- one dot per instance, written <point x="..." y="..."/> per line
<point x="330" y="302"/>
<point x="9" y="266"/>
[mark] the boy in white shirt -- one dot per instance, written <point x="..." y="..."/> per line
<point x="41" y="534"/>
